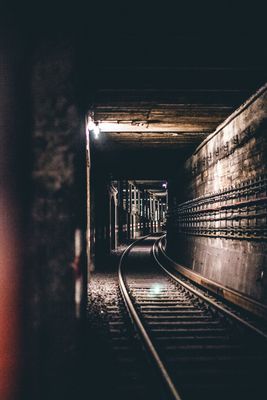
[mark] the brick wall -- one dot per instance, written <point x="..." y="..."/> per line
<point x="218" y="221"/>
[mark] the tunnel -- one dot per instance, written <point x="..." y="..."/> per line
<point x="133" y="205"/>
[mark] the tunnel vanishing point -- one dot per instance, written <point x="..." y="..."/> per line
<point x="122" y="125"/>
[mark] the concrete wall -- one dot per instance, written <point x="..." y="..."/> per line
<point x="58" y="209"/>
<point x="15" y="157"/>
<point x="56" y="132"/>
<point x="217" y="223"/>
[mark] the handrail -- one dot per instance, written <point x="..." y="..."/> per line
<point x="141" y="329"/>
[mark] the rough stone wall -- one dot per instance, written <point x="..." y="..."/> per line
<point x="217" y="223"/>
<point x="56" y="209"/>
<point x="14" y="185"/>
<point x="56" y="129"/>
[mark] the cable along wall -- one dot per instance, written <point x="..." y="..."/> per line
<point x="218" y="205"/>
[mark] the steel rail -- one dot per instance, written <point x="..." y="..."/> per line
<point x="205" y="298"/>
<point x="141" y="329"/>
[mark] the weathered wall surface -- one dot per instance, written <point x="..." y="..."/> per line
<point x="14" y="182"/>
<point x="56" y="127"/>
<point x="57" y="209"/>
<point x="218" y="205"/>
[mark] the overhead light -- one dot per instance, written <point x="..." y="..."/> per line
<point x="96" y="131"/>
<point x="90" y="124"/>
<point x="93" y="127"/>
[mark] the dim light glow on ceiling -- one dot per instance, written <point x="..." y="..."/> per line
<point x="119" y="127"/>
<point x="132" y="126"/>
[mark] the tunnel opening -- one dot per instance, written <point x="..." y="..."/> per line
<point x="196" y="209"/>
<point x="181" y="185"/>
<point x="125" y="203"/>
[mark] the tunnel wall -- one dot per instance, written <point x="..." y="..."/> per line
<point x="55" y="125"/>
<point x="57" y="211"/>
<point x="217" y="220"/>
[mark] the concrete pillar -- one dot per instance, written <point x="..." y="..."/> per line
<point x="113" y="219"/>
<point x="126" y="187"/>
<point x="160" y="209"/>
<point x="135" y="198"/>
<point x="14" y="191"/>
<point x="120" y="212"/>
<point x="128" y="208"/>
<point x="142" y="212"/>
<point x="130" y="198"/>
<point x="153" y="213"/>
<point x="157" y="214"/>
<point x="131" y="209"/>
<point x="142" y="204"/>
<point x="145" y="203"/>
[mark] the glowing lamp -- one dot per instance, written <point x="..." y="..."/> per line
<point x="91" y="124"/>
<point x="96" y="131"/>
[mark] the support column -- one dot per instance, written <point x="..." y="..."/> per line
<point x="129" y="208"/>
<point x="153" y="214"/>
<point x="157" y="215"/>
<point x="14" y="193"/>
<point x="134" y="212"/>
<point x="150" y="213"/>
<point x="120" y="212"/>
<point x="145" y="204"/>
<point x="160" y="209"/>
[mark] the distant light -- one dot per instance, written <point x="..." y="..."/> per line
<point x="164" y="185"/>
<point x="155" y="289"/>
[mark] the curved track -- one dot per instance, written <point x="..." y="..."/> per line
<point x="199" y="349"/>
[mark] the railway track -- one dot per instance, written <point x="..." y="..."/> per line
<point x="199" y="349"/>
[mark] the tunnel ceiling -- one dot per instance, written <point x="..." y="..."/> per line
<point x="158" y="80"/>
<point x="157" y="75"/>
<point x="174" y="94"/>
<point x="153" y="118"/>
<point x="175" y="106"/>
